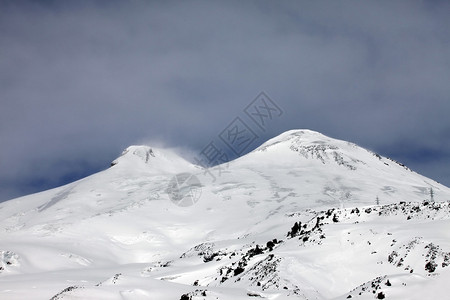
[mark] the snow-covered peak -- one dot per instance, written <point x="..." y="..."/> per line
<point x="322" y="170"/>
<point x="133" y="152"/>
<point x="154" y="159"/>
<point x="302" y="138"/>
<point x="303" y="146"/>
<point x="306" y="134"/>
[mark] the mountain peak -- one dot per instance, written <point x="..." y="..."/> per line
<point x="308" y="143"/>
<point x="151" y="158"/>
<point x="305" y="135"/>
<point x="141" y="151"/>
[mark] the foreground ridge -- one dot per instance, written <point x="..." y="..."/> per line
<point x="383" y="251"/>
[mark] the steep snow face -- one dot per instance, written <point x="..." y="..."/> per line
<point x="117" y="234"/>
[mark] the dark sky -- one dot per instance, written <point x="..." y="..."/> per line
<point x="80" y="81"/>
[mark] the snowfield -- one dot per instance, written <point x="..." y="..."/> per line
<point x="297" y="218"/>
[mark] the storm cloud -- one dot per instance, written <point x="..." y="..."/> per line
<point x="80" y="81"/>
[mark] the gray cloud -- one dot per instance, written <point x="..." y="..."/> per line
<point x="81" y="81"/>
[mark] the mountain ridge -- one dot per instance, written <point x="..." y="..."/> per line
<point x="118" y="233"/>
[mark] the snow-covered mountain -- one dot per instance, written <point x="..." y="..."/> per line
<point x="297" y="218"/>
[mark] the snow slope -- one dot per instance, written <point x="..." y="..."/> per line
<point x="117" y="234"/>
